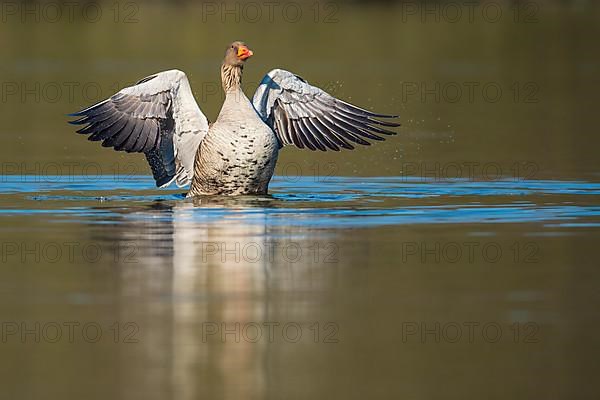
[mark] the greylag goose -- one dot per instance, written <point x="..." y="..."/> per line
<point x="235" y="155"/>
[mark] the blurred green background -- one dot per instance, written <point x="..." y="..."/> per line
<point x="499" y="82"/>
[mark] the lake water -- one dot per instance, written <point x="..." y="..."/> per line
<point x="382" y="279"/>
<point x="458" y="259"/>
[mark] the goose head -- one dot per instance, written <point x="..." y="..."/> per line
<point x="236" y="54"/>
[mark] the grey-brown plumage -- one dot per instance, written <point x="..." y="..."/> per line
<point x="237" y="154"/>
<point x="159" y="117"/>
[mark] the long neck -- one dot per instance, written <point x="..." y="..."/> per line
<point x="231" y="77"/>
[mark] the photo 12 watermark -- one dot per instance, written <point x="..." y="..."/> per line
<point x="469" y="252"/>
<point x="469" y="92"/>
<point x="471" y="12"/>
<point x="78" y="93"/>
<point x="214" y="89"/>
<point x="67" y="252"/>
<point x="469" y="332"/>
<point x="269" y="251"/>
<point x="270" y="332"/>
<point x="295" y="172"/>
<point x="54" y="12"/>
<point x="70" y="171"/>
<point x="472" y="171"/>
<point x="72" y="332"/>
<point x="253" y="12"/>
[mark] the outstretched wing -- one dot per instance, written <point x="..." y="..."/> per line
<point x="305" y="116"/>
<point x="159" y="117"/>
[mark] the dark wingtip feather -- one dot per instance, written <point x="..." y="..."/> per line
<point x="79" y="121"/>
<point x="385" y="123"/>
<point x="387" y="116"/>
<point x="381" y="130"/>
<point x="361" y="111"/>
<point x="86" y="111"/>
<point x="84" y="131"/>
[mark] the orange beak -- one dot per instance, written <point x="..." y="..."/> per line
<point x="244" y="53"/>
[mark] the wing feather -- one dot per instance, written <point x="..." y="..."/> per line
<point x="129" y="146"/>
<point x="307" y="117"/>
<point x="124" y="135"/>
<point x="320" y="141"/>
<point x="332" y="141"/>
<point x="157" y="116"/>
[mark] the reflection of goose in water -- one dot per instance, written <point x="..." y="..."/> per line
<point x="193" y="273"/>
<point x="237" y="153"/>
<point x="235" y="235"/>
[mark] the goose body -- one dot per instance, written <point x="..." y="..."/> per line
<point x="236" y="154"/>
<point x="239" y="153"/>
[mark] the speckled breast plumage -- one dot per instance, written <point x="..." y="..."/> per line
<point x="235" y="158"/>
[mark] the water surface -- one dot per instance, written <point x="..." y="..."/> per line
<point x="368" y="268"/>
